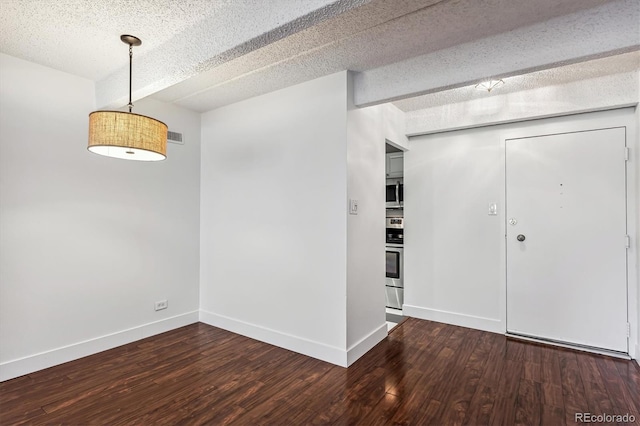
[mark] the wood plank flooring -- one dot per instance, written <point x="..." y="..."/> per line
<point x="424" y="373"/>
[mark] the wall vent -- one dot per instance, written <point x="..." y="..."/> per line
<point x="174" y="137"/>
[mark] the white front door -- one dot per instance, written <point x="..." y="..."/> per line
<point x="566" y="201"/>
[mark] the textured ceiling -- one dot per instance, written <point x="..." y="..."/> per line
<point x="203" y="54"/>
<point x="82" y="37"/>
<point x="610" y="28"/>
<point x="550" y="77"/>
<point x="379" y="33"/>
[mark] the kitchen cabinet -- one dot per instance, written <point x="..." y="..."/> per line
<point x="395" y="164"/>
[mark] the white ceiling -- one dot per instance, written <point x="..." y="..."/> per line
<point x="81" y="37"/>
<point x="202" y="54"/>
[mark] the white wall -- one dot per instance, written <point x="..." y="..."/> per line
<point x="366" y="323"/>
<point x="454" y="251"/>
<point x="452" y="247"/>
<point x="539" y="102"/>
<point x="394" y="126"/>
<point x="277" y="261"/>
<point x="87" y="243"/>
<point x="273" y="217"/>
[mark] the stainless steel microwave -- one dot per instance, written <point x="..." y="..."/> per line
<point x="395" y="194"/>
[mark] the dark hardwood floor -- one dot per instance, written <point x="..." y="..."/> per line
<point x="423" y="373"/>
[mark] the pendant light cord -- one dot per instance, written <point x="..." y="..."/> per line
<point x="130" y="66"/>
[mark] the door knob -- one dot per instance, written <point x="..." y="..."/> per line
<point x="520" y="237"/>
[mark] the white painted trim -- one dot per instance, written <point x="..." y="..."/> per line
<point x="311" y="348"/>
<point x="366" y="344"/>
<point x="633" y="219"/>
<point x="40" y="361"/>
<point x="454" y="318"/>
<point x="502" y="209"/>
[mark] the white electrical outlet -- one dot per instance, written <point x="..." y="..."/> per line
<point x="161" y="304"/>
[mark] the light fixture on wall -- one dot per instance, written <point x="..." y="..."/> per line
<point x="127" y="135"/>
<point x="489" y="85"/>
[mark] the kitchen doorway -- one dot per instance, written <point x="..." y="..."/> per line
<point x="394" y="246"/>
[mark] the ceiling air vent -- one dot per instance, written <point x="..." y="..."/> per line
<point x="174" y="137"/>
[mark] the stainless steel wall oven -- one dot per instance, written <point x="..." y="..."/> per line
<point x="394" y="284"/>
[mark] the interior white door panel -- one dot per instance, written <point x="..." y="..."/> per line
<point x="565" y="230"/>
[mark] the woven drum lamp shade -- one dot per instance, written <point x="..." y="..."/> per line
<point x="127" y="135"/>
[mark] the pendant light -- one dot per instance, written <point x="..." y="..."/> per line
<point x="127" y="135"/>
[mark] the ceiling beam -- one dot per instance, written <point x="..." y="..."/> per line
<point x="605" y="30"/>
<point x="203" y="48"/>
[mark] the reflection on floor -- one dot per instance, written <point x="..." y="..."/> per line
<point x="423" y="373"/>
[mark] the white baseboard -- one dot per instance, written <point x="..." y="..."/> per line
<point x="317" y="350"/>
<point x="453" y="318"/>
<point x="637" y="357"/>
<point x="365" y="344"/>
<point x="40" y="361"/>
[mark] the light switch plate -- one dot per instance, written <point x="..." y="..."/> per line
<point x="353" y="206"/>
<point x="493" y="209"/>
